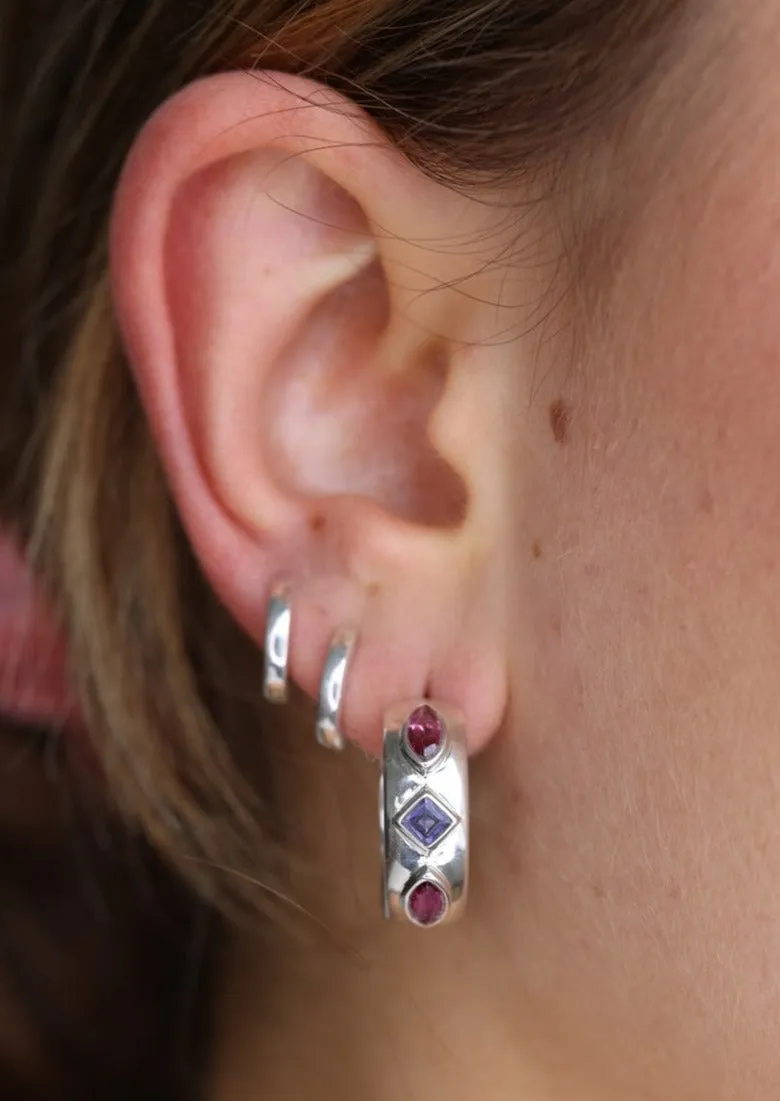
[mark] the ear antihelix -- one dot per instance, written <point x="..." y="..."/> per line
<point x="319" y="275"/>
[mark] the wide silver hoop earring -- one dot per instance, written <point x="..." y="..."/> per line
<point x="277" y="644"/>
<point x="423" y="813"/>
<point x="328" y="729"/>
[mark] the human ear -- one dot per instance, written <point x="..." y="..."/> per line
<point x="299" y="305"/>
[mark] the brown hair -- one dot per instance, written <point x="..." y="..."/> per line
<point x="468" y="89"/>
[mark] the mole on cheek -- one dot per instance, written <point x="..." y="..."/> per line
<point x="560" y="420"/>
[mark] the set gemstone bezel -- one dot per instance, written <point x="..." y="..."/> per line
<point x="412" y="891"/>
<point x="425" y="716"/>
<point x="445" y="815"/>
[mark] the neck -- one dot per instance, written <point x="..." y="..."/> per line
<point x="363" y="1009"/>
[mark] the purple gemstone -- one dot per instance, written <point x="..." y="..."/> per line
<point x="424" y="732"/>
<point x="427" y="822"/>
<point x="427" y="903"/>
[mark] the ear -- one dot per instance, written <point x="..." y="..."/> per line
<point x="300" y="306"/>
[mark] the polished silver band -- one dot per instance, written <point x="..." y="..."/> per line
<point x="423" y="813"/>
<point x="277" y="644"/>
<point x="328" y="728"/>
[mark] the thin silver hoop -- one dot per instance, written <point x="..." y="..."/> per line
<point x="328" y="730"/>
<point x="277" y="644"/>
<point x="423" y="813"/>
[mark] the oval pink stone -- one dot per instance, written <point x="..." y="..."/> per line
<point x="427" y="903"/>
<point x="424" y="732"/>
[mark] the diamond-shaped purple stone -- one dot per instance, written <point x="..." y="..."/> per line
<point x="427" y="822"/>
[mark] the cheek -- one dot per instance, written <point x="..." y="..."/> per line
<point x="649" y="730"/>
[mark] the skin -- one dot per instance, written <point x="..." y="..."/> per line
<point x="613" y="589"/>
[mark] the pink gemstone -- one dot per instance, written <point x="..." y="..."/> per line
<point x="424" y="732"/>
<point x="427" y="903"/>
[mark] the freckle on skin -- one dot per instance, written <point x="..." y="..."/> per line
<point x="317" y="523"/>
<point x="537" y="549"/>
<point x="560" y="420"/>
<point x="707" y="502"/>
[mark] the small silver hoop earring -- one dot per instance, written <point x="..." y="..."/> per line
<point x="423" y="813"/>
<point x="277" y="644"/>
<point x="337" y="661"/>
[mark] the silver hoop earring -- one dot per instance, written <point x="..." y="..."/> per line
<point x="337" y="661"/>
<point x="277" y="644"/>
<point x="423" y="813"/>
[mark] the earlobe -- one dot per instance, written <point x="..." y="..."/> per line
<point x="291" y="339"/>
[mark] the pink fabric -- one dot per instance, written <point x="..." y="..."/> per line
<point x="33" y="676"/>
